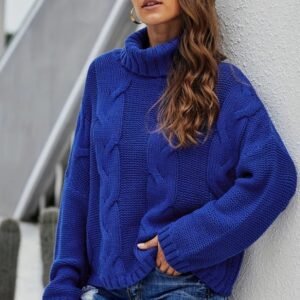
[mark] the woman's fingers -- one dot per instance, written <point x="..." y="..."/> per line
<point x="163" y="265"/>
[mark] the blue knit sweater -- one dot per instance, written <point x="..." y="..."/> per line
<point x="123" y="185"/>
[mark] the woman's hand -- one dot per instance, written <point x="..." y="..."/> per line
<point x="160" y="258"/>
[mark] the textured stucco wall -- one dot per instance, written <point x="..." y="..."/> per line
<point x="263" y="39"/>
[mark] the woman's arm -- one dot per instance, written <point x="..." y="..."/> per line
<point x="70" y="266"/>
<point x="266" y="179"/>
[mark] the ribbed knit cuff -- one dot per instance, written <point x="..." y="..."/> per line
<point x="170" y="250"/>
<point x="61" y="292"/>
<point x="64" y="298"/>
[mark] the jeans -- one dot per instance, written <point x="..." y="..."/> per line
<point x="157" y="285"/>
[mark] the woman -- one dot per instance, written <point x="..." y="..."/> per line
<point x="175" y="169"/>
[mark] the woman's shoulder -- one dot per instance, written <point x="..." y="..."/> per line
<point x="233" y="73"/>
<point x="240" y="95"/>
<point x="107" y="60"/>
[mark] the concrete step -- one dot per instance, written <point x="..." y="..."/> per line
<point x="29" y="270"/>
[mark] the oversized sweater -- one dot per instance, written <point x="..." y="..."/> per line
<point x="124" y="185"/>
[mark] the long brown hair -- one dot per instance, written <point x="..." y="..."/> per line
<point x="189" y="105"/>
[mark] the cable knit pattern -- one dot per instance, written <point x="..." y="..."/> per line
<point x="124" y="185"/>
<point x="107" y="149"/>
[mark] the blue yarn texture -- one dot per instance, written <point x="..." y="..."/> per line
<point x="124" y="184"/>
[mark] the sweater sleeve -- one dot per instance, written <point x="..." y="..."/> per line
<point x="265" y="182"/>
<point x="70" y="266"/>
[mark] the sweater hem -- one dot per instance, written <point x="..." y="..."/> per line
<point x="144" y="267"/>
<point x="123" y="281"/>
<point x="209" y="280"/>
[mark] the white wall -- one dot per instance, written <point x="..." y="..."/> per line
<point x="15" y="12"/>
<point x="263" y="39"/>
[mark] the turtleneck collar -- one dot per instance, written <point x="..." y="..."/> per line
<point x="139" y="57"/>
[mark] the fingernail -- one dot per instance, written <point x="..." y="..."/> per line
<point x="141" y="245"/>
